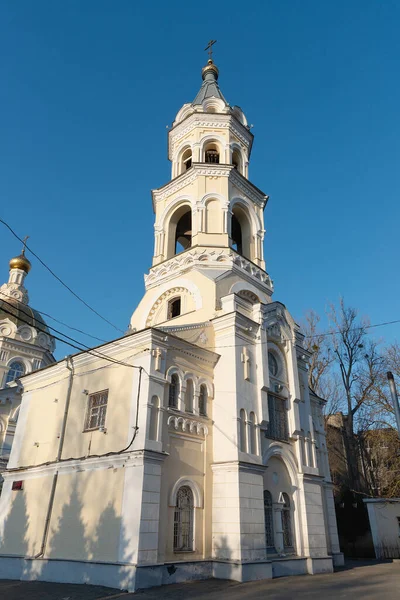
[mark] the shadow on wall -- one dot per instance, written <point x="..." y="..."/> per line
<point x="68" y="539"/>
<point x="222" y="549"/>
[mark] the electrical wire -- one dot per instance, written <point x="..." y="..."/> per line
<point x="112" y="453"/>
<point x="85" y="348"/>
<point x="57" y="277"/>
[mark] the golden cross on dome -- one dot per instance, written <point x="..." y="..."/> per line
<point x="209" y="48"/>
<point x="24" y="243"/>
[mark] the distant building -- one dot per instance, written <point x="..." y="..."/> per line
<point x="191" y="447"/>
<point x="25" y="346"/>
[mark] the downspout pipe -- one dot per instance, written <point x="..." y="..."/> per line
<point x="70" y="367"/>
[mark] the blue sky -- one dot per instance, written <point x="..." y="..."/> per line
<point x="89" y="87"/>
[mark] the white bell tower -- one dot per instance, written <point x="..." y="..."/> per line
<point x="209" y="221"/>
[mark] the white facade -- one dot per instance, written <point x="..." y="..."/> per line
<point x="199" y="451"/>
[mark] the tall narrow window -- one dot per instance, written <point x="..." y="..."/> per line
<point x="174" y="308"/>
<point x="203" y="401"/>
<point x="243" y="440"/>
<point x="237" y="160"/>
<point x="186" y="160"/>
<point x="183" y="520"/>
<point x="268" y="517"/>
<point x="154" y="415"/>
<point x="278" y="428"/>
<point x="96" y="410"/>
<point x="189" y="396"/>
<point x="272" y="364"/>
<point x="183" y="233"/>
<point x="15" y="370"/>
<point x="253" y="444"/>
<point x="173" y="391"/>
<point x="287" y="523"/>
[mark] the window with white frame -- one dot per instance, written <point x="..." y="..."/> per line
<point x="287" y="523"/>
<point x="96" y="410"/>
<point x="15" y="370"/>
<point x="183" y="520"/>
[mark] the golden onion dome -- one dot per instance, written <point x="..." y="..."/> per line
<point x="20" y="262"/>
<point x="210" y="68"/>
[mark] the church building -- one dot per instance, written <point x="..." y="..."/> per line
<point x="192" y="446"/>
<point x="25" y="345"/>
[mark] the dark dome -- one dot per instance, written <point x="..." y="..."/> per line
<point x="22" y="314"/>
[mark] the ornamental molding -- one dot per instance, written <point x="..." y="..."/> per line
<point x="248" y="189"/>
<point x="173" y="186"/>
<point x="215" y="122"/>
<point x="171" y="292"/>
<point x="223" y="259"/>
<point x="15" y="291"/>
<point x="276" y="324"/>
<point x="187" y="425"/>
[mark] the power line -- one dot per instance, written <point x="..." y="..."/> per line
<point x="58" y="278"/>
<point x="85" y="348"/>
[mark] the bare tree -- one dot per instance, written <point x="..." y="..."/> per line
<point x="360" y="367"/>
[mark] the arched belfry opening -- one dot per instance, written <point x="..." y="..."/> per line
<point x="211" y="153"/>
<point x="186" y="160"/>
<point x="237" y="161"/>
<point x="241" y="232"/>
<point x="180" y="231"/>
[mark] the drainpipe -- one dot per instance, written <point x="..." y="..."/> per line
<point x="70" y="367"/>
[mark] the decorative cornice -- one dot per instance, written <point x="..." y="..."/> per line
<point x="187" y="425"/>
<point x="206" y="258"/>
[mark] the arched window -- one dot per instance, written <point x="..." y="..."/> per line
<point x="272" y="364"/>
<point x="174" y="308"/>
<point x="237" y="160"/>
<point x="154" y="413"/>
<point x="189" y="396"/>
<point x="203" y="401"/>
<point x="183" y="233"/>
<point x="253" y="444"/>
<point x="16" y="369"/>
<point x="173" y="391"/>
<point x="268" y="517"/>
<point x="211" y="153"/>
<point x="183" y="520"/>
<point x="241" y="232"/>
<point x="243" y="440"/>
<point x="186" y="160"/>
<point x="287" y="522"/>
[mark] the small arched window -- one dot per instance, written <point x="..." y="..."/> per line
<point x="183" y="520"/>
<point x="273" y="366"/>
<point x="189" y="396"/>
<point x="173" y="391"/>
<point x="174" y="308"/>
<point x="16" y="369"/>
<point x="253" y="443"/>
<point x="211" y="154"/>
<point x="268" y="517"/>
<point x="287" y="522"/>
<point x="243" y="440"/>
<point x="186" y="160"/>
<point x="203" y="401"/>
<point x="154" y="414"/>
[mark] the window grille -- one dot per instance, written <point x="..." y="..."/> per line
<point x="272" y="364"/>
<point x="96" y="412"/>
<point x="203" y="401"/>
<point x="173" y="391"/>
<point x="16" y="369"/>
<point x="287" y="523"/>
<point x="278" y="428"/>
<point x="183" y="520"/>
<point x="268" y="516"/>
